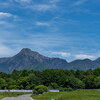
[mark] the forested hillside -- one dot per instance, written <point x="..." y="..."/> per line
<point x="52" y="78"/>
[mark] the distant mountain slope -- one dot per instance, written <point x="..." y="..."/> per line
<point x="27" y="59"/>
<point x="97" y="61"/>
<point x="83" y="64"/>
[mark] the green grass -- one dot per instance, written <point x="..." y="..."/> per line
<point x="10" y="94"/>
<point x="75" y="95"/>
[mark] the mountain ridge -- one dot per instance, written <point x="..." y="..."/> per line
<point x="28" y="59"/>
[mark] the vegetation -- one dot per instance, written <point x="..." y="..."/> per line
<point x="10" y="94"/>
<point x="75" y="95"/>
<point x="40" y="89"/>
<point x="51" y="78"/>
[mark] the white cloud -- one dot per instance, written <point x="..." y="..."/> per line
<point x="4" y="50"/>
<point x="54" y="1"/>
<point x="5" y="24"/>
<point x="43" y="7"/>
<point x="79" y="2"/>
<point x="83" y="56"/>
<point x="3" y="14"/>
<point x="2" y="23"/>
<point x="25" y="1"/>
<point x="63" y="54"/>
<point x="42" y="24"/>
<point x="4" y="4"/>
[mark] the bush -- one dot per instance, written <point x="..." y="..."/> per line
<point x="40" y="89"/>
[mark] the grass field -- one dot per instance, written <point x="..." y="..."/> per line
<point x="9" y="94"/>
<point x="75" y="95"/>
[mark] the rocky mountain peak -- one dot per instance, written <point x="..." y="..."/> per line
<point x="26" y="50"/>
<point x="28" y="53"/>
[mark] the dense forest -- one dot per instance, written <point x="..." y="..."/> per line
<point x="52" y="78"/>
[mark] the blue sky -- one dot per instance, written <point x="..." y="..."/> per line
<point x="69" y="29"/>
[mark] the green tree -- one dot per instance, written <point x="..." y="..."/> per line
<point x="69" y="72"/>
<point x="97" y="72"/>
<point x="89" y="81"/>
<point x="2" y="83"/>
<point x="22" y="82"/>
<point x="54" y="86"/>
<point x="24" y="73"/>
<point x="46" y="77"/>
<point x="40" y="89"/>
<point x="79" y="74"/>
<point x="13" y="87"/>
<point x="97" y="82"/>
<point x="4" y="75"/>
<point x="75" y="83"/>
<point x="11" y="83"/>
<point x="15" y="74"/>
<point x="89" y="72"/>
<point x="33" y="79"/>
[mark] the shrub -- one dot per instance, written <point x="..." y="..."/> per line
<point x="40" y="89"/>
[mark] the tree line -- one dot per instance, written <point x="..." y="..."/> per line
<point x="52" y="78"/>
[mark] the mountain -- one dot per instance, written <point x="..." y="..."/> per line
<point x="97" y="61"/>
<point x="84" y="64"/>
<point x="27" y="59"/>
